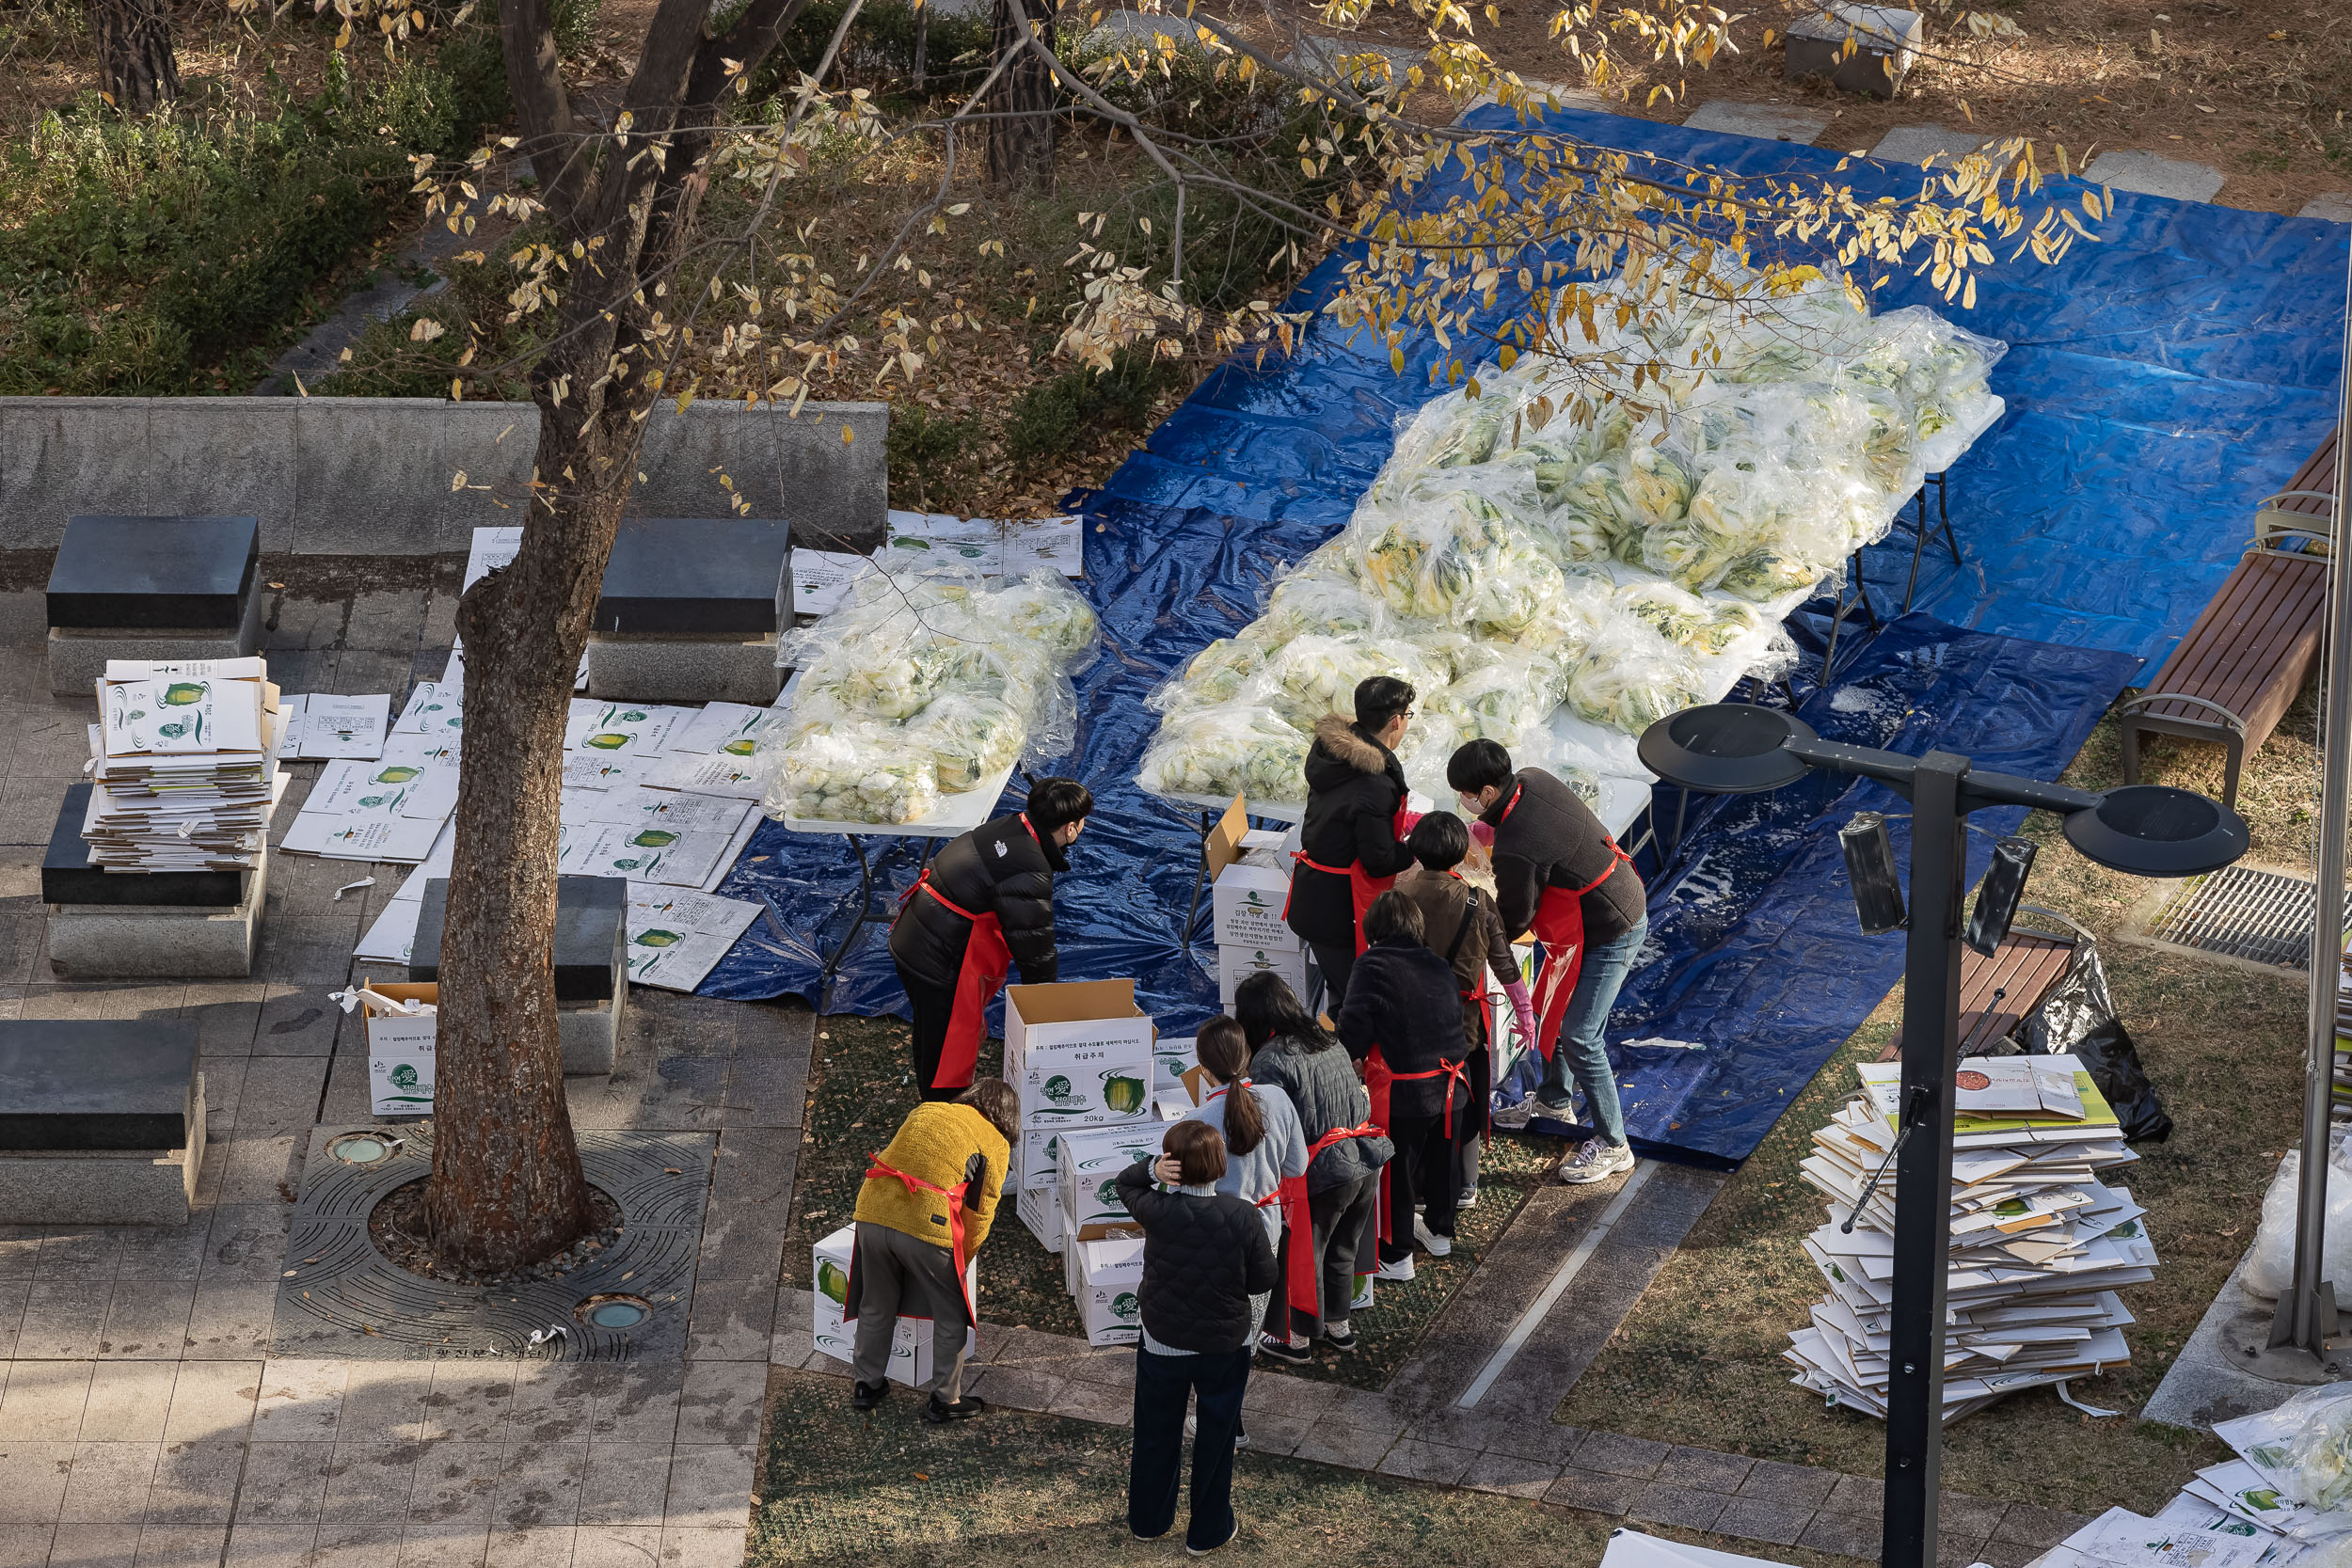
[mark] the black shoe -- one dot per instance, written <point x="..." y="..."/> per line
<point x="938" y="1412"/>
<point x="1344" y="1343"/>
<point x="1282" y="1350"/>
<point x="865" y="1395"/>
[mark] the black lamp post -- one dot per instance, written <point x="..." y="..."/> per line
<point x="2146" y="830"/>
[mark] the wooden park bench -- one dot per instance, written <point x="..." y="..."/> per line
<point x="2242" y="665"/>
<point x="1997" y="994"/>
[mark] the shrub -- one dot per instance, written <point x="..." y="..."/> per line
<point x="143" y="256"/>
<point x="1054" y="415"/>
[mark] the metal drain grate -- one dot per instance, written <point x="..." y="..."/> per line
<point x="2242" y="914"/>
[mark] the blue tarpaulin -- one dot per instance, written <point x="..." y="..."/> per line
<point x="1756" y="967"/>
<point x="2158" y="383"/>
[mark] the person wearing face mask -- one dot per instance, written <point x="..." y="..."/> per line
<point x="1351" y="842"/>
<point x="986" y="902"/>
<point x="1560" y="875"/>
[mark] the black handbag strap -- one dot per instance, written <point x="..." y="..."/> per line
<point x="1470" y="913"/>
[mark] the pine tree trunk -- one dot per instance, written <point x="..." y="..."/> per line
<point x="136" y="66"/>
<point x="1021" y="136"/>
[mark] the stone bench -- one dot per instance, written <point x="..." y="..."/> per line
<point x="143" y="925"/>
<point x="690" y="612"/>
<point x="101" y="1122"/>
<point x="591" y="963"/>
<point x="152" y="588"/>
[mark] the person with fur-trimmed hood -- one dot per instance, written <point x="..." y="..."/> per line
<point x="1352" y="840"/>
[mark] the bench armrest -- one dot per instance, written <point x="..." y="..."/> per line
<point x="2138" y="704"/>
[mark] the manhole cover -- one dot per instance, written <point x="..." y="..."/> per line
<point x="363" y="1148"/>
<point x="338" y="1296"/>
<point x="2264" y="916"/>
<point x="613" y="1311"/>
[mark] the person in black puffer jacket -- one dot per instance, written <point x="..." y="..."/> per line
<point x="1350" y="840"/>
<point x="1207" y="1269"/>
<point x="986" y="900"/>
<point x="1292" y="1052"/>
<point x="1403" y="1005"/>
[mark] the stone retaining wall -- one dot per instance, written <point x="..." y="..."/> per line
<point x="377" y="476"/>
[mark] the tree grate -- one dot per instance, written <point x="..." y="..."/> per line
<point x="2263" y="916"/>
<point x="338" y="1296"/>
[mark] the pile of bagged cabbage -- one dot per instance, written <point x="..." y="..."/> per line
<point x="924" y="684"/>
<point x="1583" y="542"/>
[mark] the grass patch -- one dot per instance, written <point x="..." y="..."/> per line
<point x="1698" y="1360"/>
<point x="861" y="1086"/>
<point x="1015" y="1489"/>
<point x="165" y="256"/>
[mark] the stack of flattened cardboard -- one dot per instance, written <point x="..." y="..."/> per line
<point x="2285" y="1496"/>
<point x="2038" y="1244"/>
<point x="184" y="760"/>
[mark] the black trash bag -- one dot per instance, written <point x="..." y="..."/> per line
<point x="2077" y="1017"/>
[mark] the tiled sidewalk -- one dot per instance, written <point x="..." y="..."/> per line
<point x="143" y="1421"/>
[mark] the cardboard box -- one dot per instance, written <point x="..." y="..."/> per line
<point x="836" y="1334"/>
<point x="1092" y="1162"/>
<point x="1361" y="1300"/>
<point x="1236" y="964"/>
<point x="400" y="1049"/>
<point x="1246" y="901"/>
<point x="1168" y="1060"/>
<point x="1073" y="1259"/>
<point x="400" y="1083"/>
<point x="1172" y="1106"/>
<point x="1041" y="1210"/>
<point x="1077" y="1053"/>
<point x="1111" y="1274"/>
<point x="1036" y="1157"/>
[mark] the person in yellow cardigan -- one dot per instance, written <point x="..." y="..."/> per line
<point x="925" y="1207"/>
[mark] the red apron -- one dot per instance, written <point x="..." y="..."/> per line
<point x="1559" y="932"/>
<point x="986" y="961"/>
<point x="955" y="1227"/>
<point x="1300" y="1281"/>
<point x="1376" y="1080"/>
<point x="1361" y="890"/>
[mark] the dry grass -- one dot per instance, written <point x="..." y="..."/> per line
<point x="1041" y="1490"/>
<point x="1698" y="1361"/>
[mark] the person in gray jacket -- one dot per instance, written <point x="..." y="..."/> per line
<point x="1295" y="1054"/>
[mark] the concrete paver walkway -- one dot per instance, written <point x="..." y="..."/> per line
<point x="143" y="1418"/>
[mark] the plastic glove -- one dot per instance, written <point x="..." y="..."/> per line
<point x="1484" y="833"/>
<point x="1522" y="1010"/>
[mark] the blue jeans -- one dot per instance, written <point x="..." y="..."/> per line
<point x="1163" y="1386"/>
<point x="1582" y="1049"/>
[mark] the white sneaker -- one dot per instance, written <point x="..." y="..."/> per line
<point x="1398" y="1271"/>
<point x="1512" y="1118"/>
<point x="1469" y="1198"/>
<point x="1431" y="1243"/>
<point x="1192" y="1428"/>
<point x="1594" y="1160"/>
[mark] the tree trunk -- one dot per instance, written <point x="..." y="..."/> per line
<point x="1021" y="133"/>
<point x="136" y="66"/>
<point x="507" y="1188"/>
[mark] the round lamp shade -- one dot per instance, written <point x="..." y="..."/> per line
<point x="2156" y="830"/>
<point x="1725" y="748"/>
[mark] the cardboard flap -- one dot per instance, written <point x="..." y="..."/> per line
<point x="1222" y="847"/>
<point x="1073" y="1001"/>
<point x="1196" y="1083"/>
